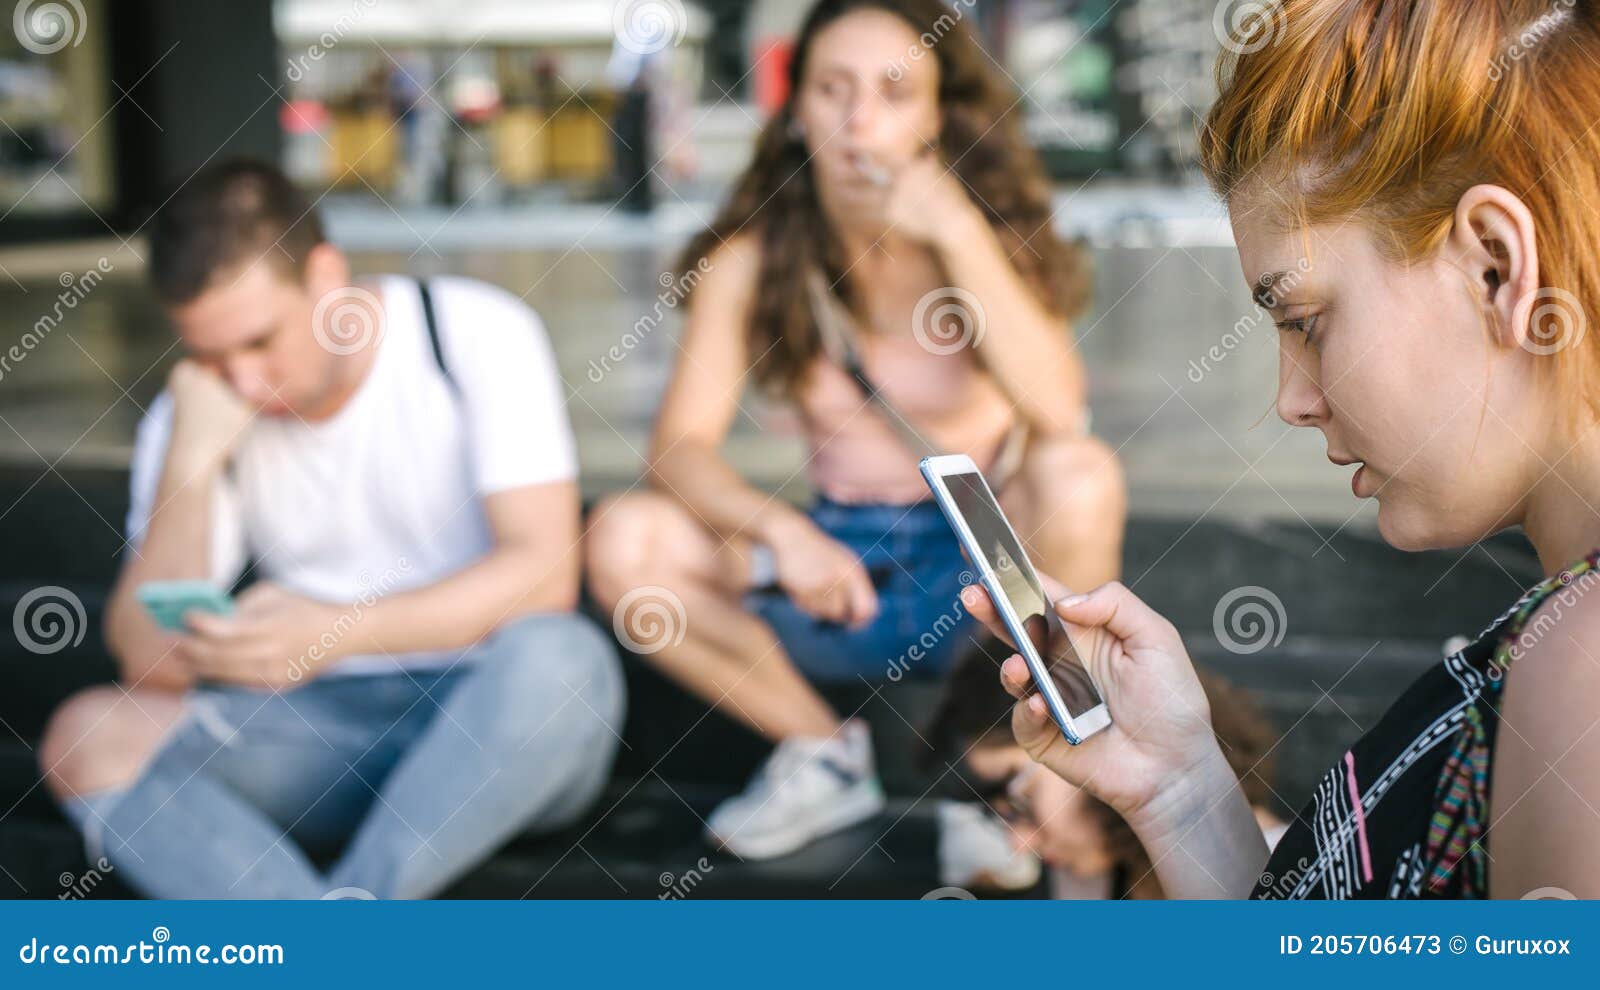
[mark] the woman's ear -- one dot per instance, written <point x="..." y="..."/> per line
<point x="1493" y="239"/>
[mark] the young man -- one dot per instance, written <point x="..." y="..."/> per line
<point x="407" y="683"/>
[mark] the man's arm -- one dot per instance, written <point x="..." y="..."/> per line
<point x="276" y="638"/>
<point x="532" y="567"/>
<point x="206" y="422"/>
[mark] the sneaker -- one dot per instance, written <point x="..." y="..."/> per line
<point x="975" y="850"/>
<point x="808" y="788"/>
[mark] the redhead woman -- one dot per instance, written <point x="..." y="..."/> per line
<point x="886" y="266"/>
<point x="1417" y="208"/>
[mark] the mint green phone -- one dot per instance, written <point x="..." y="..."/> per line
<point x="168" y="601"/>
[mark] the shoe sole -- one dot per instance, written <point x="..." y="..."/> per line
<point x="853" y="810"/>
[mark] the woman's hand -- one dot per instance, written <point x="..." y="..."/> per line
<point x="822" y="576"/>
<point x="1160" y="730"/>
<point x="926" y="202"/>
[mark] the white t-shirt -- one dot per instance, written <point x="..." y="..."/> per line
<point x="385" y="495"/>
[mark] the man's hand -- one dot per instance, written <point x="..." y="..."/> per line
<point x="274" y="639"/>
<point x="208" y="417"/>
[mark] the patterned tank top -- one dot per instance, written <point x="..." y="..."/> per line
<point x="1404" y="813"/>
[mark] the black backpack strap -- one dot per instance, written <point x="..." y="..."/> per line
<point x="431" y="318"/>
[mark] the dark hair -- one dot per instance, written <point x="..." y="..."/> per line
<point x="975" y="710"/>
<point x="775" y="198"/>
<point x="227" y="215"/>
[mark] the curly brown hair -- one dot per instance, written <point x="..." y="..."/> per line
<point x="775" y="199"/>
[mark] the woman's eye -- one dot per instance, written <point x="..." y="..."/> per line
<point x="1305" y="325"/>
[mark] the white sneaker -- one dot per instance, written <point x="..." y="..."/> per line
<point x="806" y="789"/>
<point x="975" y="850"/>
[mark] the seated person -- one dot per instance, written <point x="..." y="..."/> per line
<point x="1020" y="815"/>
<point x="407" y="681"/>
<point x="893" y="211"/>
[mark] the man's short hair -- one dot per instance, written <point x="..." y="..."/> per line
<point x="226" y="216"/>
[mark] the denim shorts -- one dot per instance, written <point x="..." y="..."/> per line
<point x="916" y="566"/>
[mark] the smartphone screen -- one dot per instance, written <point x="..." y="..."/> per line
<point x="1022" y="590"/>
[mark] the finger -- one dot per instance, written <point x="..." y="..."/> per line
<point x="210" y="625"/>
<point x="1030" y="723"/>
<point x="978" y="604"/>
<point x="1015" y="677"/>
<point x="1118" y="610"/>
<point x="863" y="598"/>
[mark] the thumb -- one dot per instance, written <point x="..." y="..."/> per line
<point x="1120" y="612"/>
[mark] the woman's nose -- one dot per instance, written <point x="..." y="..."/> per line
<point x="1301" y="401"/>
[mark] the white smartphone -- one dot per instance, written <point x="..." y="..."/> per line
<point x="1018" y="595"/>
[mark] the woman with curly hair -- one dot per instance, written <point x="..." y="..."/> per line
<point x="886" y="265"/>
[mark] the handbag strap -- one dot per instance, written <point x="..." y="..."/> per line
<point x="838" y="340"/>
